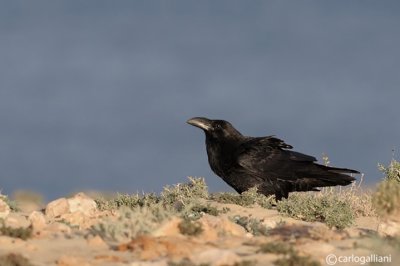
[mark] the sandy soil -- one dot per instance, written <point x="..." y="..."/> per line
<point x="221" y="243"/>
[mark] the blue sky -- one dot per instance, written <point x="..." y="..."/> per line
<point x="95" y="94"/>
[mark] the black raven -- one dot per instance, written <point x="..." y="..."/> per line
<point x="266" y="162"/>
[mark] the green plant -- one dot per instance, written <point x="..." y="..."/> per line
<point x="327" y="208"/>
<point x="176" y="196"/>
<point x="247" y="198"/>
<point x="387" y="196"/>
<point x="275" y="248"/>
<point x="186" y="192"/>
<point x="392" y="171"/>
<point x="196" y="210"/>
<point x="360" y="200"/>
<point x="132" y="222"/>
<point x="254" y="226"/>
<point x="190" y="228"/>
<point x="11" y="203"/>
<point x="126" y="200"/>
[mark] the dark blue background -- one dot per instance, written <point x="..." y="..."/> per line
<point x="95" y="94"/>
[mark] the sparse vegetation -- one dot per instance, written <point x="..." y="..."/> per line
<point x="132" y="222"/>
<point x="337" y="208"/>
<point x="245" y="199"/>
<point x="196" y="210"/>
<point x="359" y="200"/>
<point x="387" y="196"/>
<point x="311" y="207"/>
<point x="130" y="201"/>
<point x="185" y="193"/>
<point x="128" y="216"/>
<point x="11" y="203"/>
<point x="19" y="232"/>
<point x="391" y="172"/>
<point x="252" y="225"/>
<point x="190" y="228"/>
<point x="275" y="248"/>
<point x="177" y="195"/>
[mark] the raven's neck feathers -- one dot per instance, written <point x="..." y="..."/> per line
<point x="221" y="152"/>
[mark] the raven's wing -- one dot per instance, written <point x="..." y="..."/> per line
<point x="271" y="159"/>
<point x="270" y="155"/>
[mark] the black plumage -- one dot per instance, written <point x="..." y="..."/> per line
<point x="266" y="162"/>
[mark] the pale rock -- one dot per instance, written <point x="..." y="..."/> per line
<point x="77" y="210"/>
<point x="4" y="209"/>
<point x="16" y="220"/>
<point x="217" y="257"/>
<point x="57" y="207"/>
<point x="37" y="220"/>
<point x="82" y="203"/>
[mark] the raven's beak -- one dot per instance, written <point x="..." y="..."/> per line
<point x="200" y="122"/>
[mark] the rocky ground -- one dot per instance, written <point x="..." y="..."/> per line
<point x="62" y="234"/>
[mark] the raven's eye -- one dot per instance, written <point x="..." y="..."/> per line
<point x="218" y="126"/>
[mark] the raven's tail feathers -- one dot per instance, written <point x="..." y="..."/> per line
<point x="325" y="176"/>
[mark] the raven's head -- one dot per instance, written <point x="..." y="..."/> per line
<point x="217" y="129"/>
